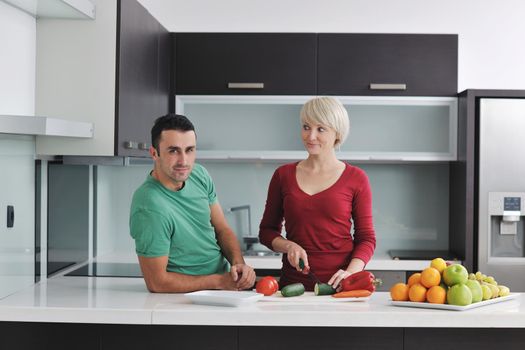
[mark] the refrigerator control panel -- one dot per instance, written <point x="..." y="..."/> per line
<point x="511" y="204"/>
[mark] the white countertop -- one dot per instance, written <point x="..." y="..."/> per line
<point x="126" y="301"/>
<point x="378" y="262"/>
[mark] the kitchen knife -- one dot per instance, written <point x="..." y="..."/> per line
<point x="310" y="272"/>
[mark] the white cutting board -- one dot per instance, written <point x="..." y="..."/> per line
<point x="310" y="297"/>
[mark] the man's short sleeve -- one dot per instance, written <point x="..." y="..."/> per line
<point x="210" y="187"/>
<point x="151" y="233"/>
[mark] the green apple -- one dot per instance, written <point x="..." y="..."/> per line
<point x="455" y="274"/>
<point x="459" y="294"/>
<point x="475" y="289"/>
<point x="487" y="292"/>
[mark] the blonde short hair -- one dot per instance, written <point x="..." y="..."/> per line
<point x="330" y="112"/>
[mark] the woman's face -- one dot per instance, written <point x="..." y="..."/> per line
<point x="318" y="139"/>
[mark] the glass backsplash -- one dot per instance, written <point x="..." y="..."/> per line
<point x="17" y="190"/>
<point x="410" y="202"/>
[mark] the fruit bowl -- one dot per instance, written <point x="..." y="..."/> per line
<point x="454" y="307"/>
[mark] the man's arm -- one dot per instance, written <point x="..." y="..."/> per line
<point x="158" y="280"/>
<point x="240" y="272"/>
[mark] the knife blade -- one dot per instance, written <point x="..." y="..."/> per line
<point x="311" y="274"/>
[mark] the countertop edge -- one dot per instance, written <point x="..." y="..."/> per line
<point x="106" y="300"/>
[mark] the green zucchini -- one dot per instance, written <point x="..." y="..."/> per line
<point x="323" y="289"/>
<point x="293" y="290"/>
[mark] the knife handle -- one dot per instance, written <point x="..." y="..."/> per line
<point x="302" y="267"/>
<point x="301" y="264"/>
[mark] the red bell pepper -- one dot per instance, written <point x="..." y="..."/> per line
<point x="361" y="280"/>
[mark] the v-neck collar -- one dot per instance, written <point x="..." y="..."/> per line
<point x="325" y="190"/>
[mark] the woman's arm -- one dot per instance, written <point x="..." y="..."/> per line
<point x="272" y="220"/>
<point x="364" y="233"/>
<point x="293" y="251"/>
<point x="272" y="224"/>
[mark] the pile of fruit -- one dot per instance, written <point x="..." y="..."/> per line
<point x="441" y="283"/>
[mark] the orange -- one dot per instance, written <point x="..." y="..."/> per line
<point x="437" y="295"/>
<point x="414" y="278"/>
<point x="399" y="292"/>
<point x="430" y="277"/>
<point x="417" y="292"/>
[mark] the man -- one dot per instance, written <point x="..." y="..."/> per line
<point x="182" y="238"/>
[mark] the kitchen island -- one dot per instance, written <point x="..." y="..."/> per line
<point x="120" y="312"/>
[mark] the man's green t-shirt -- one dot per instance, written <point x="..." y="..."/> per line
<point x="177" y="224"/>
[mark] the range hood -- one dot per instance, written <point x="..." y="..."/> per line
<point x="71" y="9"/>
<point x="44" y="126"/>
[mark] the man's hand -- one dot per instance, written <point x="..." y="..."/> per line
<point x="243" y="276"/>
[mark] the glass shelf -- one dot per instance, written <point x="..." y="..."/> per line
<point x="266" y="128"/>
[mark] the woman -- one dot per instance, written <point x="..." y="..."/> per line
<point x="318" y="198"/>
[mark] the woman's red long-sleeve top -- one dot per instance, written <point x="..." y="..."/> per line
<point x="320" y="223"/>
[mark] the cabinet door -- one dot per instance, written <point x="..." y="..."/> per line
<point x="176" y="337"/>
<point x="469" y="338"/>
<point x="314" y="338"/>
<point x="56" y="336"/>
<point x="383" y="128"/>
<point x="387" y="64"/>
<point x="245" y="64"/>
<point x="142" y="78"/>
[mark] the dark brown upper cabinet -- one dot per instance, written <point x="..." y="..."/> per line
<point x="246" y="63"/>
<point x="387" y="64"/>
<point x="143" y="64"/>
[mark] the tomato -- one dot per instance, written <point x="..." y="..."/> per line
<point x="267" y="285"/>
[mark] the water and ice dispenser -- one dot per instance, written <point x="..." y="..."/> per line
<point x="506" y="224"/>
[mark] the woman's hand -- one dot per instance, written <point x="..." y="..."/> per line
<point x="355" y="265"/>
<point x="337" y="278"/>
<point x="295" y="253"/>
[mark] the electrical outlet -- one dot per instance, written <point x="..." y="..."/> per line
<point x="10" y="216"/>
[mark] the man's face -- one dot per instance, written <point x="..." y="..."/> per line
<point x="177" y="155"/>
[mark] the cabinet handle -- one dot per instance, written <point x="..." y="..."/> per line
<point x="144" y="146"/>
<point x="245" y="85"/>
<point x="130" y="145"/>
<point x="393" y="159"/>
<point x="374" y="86"/>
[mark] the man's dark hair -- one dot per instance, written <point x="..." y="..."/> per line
<point x="169" y="121"/>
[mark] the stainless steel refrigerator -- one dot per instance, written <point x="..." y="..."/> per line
<point x="501" y="190"/>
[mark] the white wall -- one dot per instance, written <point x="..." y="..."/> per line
<point x="17" y="153"/>
<point x="491" y="33"/>
<point x="17" y="61"/>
